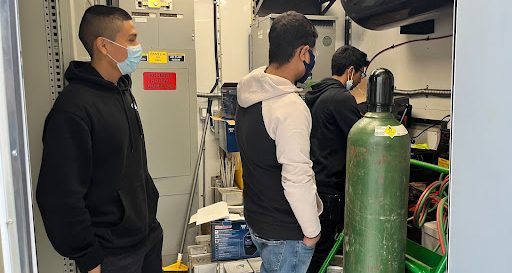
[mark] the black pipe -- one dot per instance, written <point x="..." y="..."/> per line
<point x="348" y="30"/>
<point x="216" y="53"/>
<point x="426" y="92"/>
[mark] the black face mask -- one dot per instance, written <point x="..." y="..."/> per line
<point x="309" y="67"/>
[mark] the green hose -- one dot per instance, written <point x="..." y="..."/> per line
<point x="441" y="176"/>
<point x="443" y="191"/>
<point x="443" y="225"/>
<point x="419" y="221"/>
<point x="334" y="250"/>
<point x="437" y="247"/>
<point x="429" y="166"/>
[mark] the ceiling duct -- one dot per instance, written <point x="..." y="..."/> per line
<point x="263" y="8"/>
<point x="385" y="14"/>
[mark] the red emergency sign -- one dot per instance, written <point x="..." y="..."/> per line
<point x="159" y="81"/>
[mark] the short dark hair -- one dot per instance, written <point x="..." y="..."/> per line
<point x="345" y="57"/>
<point x="101" y="21"/>
<point x="288" y="32"/>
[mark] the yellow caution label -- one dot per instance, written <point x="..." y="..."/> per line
<point x="155" y="4"/>
<point x="157" y="57"/>
<point x="390" y="131"/>
<point x="445" y="163"/>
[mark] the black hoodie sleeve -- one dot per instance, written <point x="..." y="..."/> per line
<point x="63" y="182"/>
<point x="345" y="111"/>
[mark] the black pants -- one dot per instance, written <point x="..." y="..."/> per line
<point x="331" y="221"/>
<point x="145" y="258"/>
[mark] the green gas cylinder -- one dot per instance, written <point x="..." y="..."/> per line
<point x="377" y="180"/>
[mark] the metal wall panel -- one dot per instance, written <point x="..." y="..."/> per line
<point x="168" y="116"/>
<point x="480" y="226"/>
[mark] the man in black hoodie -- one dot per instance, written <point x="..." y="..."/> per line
<point x="334" y="111"/>
<point x="96" y="197"/>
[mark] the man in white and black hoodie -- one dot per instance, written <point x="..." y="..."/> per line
<point x="96" y="197"/>
<point x="282" y="206"/>
<point x="334" y="111"/>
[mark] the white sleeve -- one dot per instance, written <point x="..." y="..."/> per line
<point x="288" y="122"/>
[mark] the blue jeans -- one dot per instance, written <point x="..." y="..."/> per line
<point x="283" y="256"/>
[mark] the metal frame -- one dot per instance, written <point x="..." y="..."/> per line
<point x="348" y="31"/>
<point x="217" y="21"/>
<point x="328" y="7"/>
<point x="256" y="6"/>
<point x="17" y="229"/>
<point x="56" y="69"/>
<point x="54" y="41"/>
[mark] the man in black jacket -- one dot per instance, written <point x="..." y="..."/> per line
<point x="334" y="111"/>
<point x="96" y="197"/>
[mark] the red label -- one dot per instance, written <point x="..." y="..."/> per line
<point x="159" y="81"/>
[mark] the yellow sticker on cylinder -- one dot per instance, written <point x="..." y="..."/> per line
<point x="390" y="131"/>
<point x="157" y="57"/>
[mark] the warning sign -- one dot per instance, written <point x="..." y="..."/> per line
<point x="176" y="57"/>
<point x="159" y="81"/>
<point x="157" y="57"/>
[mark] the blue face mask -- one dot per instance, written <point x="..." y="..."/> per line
<point x="129" y="65"/>
<point x="309" y="67"/>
